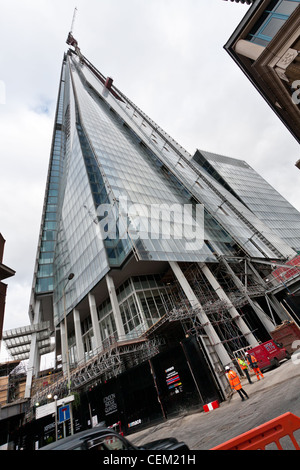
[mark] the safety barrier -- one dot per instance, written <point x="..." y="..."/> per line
<point x="268" y="436"/>
<point x="211" y="406"/>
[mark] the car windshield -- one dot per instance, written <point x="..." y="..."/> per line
<point x="108" y="442"/>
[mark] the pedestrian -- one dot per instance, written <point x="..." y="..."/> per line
<point x="235" y="382"/>
<point x="244" y="367"/>
<point x="252" y="362"/>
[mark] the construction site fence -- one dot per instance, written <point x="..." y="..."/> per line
<point x="282" y="433"/>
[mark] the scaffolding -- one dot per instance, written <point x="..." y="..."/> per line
<point x="223" y="312"/>
<point x="18" y="340"/>
<point x="120" y="354"/>
<point x="216" y="309"/>
<point x="12" y="381"/>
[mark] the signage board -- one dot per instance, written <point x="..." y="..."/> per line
<point x="45" y="410"/>
<point x="173" y="380"/>
<point x="49" y="409"/>
<point x="64" y="413"/>
<point x="110" y="404"/>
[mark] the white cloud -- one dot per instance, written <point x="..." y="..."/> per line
<point x="167" y="56"/>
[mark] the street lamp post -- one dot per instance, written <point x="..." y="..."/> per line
<point x="56" y="433"/>
<point x="71" y="275"/>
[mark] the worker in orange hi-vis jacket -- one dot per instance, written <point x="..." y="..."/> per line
<point x="235" y="382"/>
<point x="252" y="361"/>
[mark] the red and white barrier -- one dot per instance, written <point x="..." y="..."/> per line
<point x="211" y="406"/>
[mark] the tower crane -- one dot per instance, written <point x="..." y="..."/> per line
<point x="70" y="39"/>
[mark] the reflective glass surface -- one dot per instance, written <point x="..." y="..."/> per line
<point x="44" y="281"/>
<point x="142" y="300"/>
<point x="258" y="195"/>
<point x="140" y="160"/>
<point x="79" y="248"/>
<point x="107" y="153"/>
<point x="132" y="174"/>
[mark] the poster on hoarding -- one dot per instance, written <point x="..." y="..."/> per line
<point x="173" y="380"/>
<point x="110" y="404"/>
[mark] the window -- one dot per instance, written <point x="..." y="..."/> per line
<point x="286" y="7"/>
<point x="130" y="314"/>
<point x="274" y="17"/>
<point x="45" y="258"/>
<point x="44" y="284"/>
<point x="45" y="270"/>
<point x="109" y="442"/>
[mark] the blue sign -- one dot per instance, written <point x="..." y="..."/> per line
<point x="64" y="413"/>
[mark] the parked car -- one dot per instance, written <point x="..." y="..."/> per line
<point x="269" y="354"/>
<point x="100" y="438"/>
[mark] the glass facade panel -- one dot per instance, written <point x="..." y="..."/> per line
<point x="45" y="284"/>
<point x="279" y="217"/>
<point x="132" y="174"/>
<point x="142" y="300"/>
<point x="79" y="247"/>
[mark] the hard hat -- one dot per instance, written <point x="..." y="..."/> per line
<point x="247" y="353"/>
<point x="227" y="368"/>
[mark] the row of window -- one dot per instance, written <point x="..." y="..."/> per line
<point x="45" y="280"/>
<point x="142" y="302"/>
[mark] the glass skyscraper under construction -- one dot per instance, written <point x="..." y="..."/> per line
<point x="140" y="271"/>
<point x="256" y="193"/>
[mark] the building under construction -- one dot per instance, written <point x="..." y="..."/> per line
<point x="141" y="319"/>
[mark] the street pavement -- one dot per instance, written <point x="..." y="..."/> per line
<point x="269" y="398"/>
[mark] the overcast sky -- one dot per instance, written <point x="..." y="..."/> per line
<point x="167" y="56"/>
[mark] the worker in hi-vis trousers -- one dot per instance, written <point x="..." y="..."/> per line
<point x="244" y="366"/>
<point x="235" y="382"/>
<point x="252" y="361"/>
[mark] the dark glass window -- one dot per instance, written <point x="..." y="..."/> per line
<point x="44" y="284"/>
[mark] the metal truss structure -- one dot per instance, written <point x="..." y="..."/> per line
<point x="18" y="340"/>
<point x="108" y="363"/>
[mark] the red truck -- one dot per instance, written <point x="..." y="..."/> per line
<point x="269" y="354"/>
